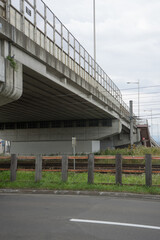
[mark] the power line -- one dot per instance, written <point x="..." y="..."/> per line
<point x="147" y="103"/>
<point x="149" y="119"/>
<point x="150" y="115"/>
<point x="153" y="110"/>
<point x="142" y="96"/>
<point x="142" y="93"/>
<point x="139" y="87"/>
<point x="151" y="107"/>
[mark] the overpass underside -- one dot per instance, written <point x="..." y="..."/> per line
<point x="47" y="115"/>
<point x="44" y="102"/>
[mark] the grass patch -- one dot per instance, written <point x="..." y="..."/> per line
<point x="138" y="151"/>
<point x="78" y="181"/>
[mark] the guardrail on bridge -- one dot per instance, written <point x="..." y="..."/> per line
<point x="40" y="24"/>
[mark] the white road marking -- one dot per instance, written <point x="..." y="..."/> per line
<point x="115" y="223"/>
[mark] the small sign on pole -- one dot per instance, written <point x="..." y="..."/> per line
<point x="73" y="141"/>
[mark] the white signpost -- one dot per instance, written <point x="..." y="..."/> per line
<point x="74" y="140"/>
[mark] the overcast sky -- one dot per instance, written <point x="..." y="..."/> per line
<point x="128" y="45"/>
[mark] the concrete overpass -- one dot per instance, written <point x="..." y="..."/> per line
<point x="51" y="89"/>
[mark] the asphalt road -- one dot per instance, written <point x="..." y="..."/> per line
<point x="37" y="216"/>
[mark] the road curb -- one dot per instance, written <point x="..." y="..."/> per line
<point x="83" y="193"/>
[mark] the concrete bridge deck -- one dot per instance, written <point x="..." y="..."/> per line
<point x="54" y="90"/>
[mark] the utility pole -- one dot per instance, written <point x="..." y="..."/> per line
<point x="94" y="28"/>
<point x="151" y="120"/>
<point x="131" y="123"/>
<point x="138" y="83"/>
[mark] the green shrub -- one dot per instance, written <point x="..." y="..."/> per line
<point x="138" y="151"/>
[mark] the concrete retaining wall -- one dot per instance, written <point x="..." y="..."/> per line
<point x="54" y="147"/>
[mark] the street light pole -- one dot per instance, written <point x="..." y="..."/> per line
<point x="94" y="29"/>
<point x="131" y="123"/>
<point x="138" y="100"/>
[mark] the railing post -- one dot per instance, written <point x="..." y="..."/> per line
<point x="35" y="21"/>
<point x="64" y="168"/>
<point x="38" y="168"/>
<point x="8" y="3"/>
<point x="91" y="168"/>
<point x="119" y="169"/>
<point x="45" y="27"/>
<point x="22" y="16"/>
<point x="13" y="168"/>
<point x="148" y="169"/>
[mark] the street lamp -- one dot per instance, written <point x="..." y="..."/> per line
<point x="138" y="95"/>
<point x="94" y="29"/>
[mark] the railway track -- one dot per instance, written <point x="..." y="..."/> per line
<point x="81" y="166"/>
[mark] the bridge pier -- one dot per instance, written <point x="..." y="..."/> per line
<point x="11" y="75"/>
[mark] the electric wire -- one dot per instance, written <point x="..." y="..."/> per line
<point x="140" y="97"/>
<point x="141" y="93"/>
<point x="126" y="89"/>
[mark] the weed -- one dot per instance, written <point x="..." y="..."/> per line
<point x="138" y="151"/>
<point x="13" y="63"/>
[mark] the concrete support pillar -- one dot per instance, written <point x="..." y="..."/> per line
<point x="11" y="80"/>
<point x="38" y="168"/>
<point x="64" y="168"/>
<point x="13" y="168"/>
<point x="148" y="169"/>
<point x="119" y="169"/>
<point x="91" y="168"/>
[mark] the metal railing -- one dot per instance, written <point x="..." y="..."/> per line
<point x="142" y="122"/>
<point x="39" y="23"/>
